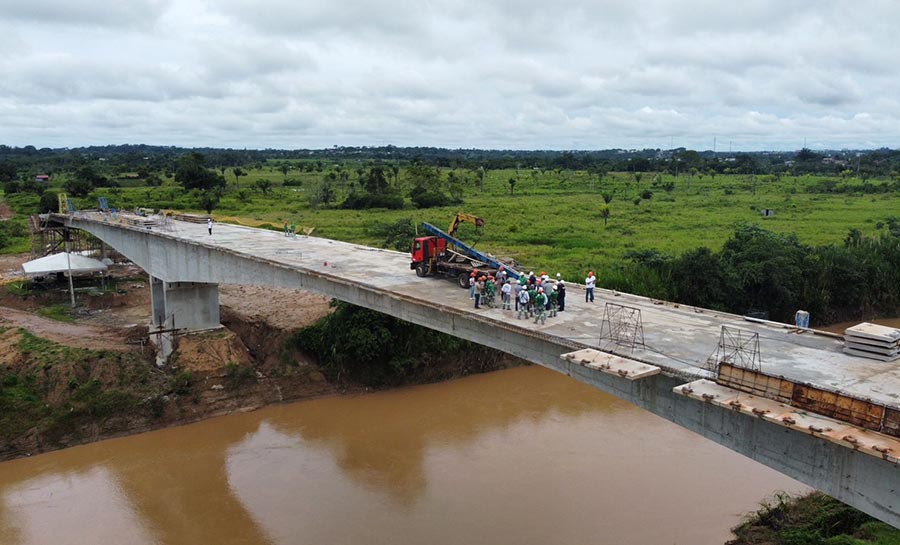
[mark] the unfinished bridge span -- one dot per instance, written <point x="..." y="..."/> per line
<point x="787" y="397"/>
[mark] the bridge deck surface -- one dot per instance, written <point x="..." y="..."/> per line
<point x="678" y="339"/>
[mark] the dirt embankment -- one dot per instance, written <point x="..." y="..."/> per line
<point x="92" y="377"/>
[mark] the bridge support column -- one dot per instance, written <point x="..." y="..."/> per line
<point x="182" y="306"/>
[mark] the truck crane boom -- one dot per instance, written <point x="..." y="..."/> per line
<point x="443" y="254"/>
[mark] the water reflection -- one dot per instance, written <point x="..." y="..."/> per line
<point x="72" y="520"/>
<point x="522" y="456"/>
<point x="380" y="440"/>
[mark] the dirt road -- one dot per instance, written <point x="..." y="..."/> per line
<point x="78" y="335"/>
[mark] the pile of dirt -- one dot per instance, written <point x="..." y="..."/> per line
<point x="282" y="309"/>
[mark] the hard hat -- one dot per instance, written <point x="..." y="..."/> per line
<point x="591" y="273"/>
<point x="543" y="273"/>
<point x="563" y="282"/>
<point x="558" y="275"/>
<point x="501" y="267"/>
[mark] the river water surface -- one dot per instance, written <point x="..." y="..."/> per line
<point x="523" y="456"/>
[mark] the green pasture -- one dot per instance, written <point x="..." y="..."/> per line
<point x="553" y="220"/>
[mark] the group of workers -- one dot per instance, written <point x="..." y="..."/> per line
<point x="534" y="296"/>
<point x="290" y="230"/>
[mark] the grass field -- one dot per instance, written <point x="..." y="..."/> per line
<point x="554" y="220"/>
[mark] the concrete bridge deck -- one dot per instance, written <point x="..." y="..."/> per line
<point x="677" y="339"/>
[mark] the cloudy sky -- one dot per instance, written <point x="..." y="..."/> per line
<point x="522" y="74"/>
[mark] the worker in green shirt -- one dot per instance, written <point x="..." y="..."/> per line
<point x="532" y="298"/>
<point x="540" y="303"/>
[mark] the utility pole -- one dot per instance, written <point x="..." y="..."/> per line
<point x="69" y="266"/>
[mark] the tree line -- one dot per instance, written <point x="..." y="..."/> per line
<point x="758" y="271"/>
<point x="23" y="163"/>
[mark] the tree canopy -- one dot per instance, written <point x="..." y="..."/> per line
<point x="192" y="173"/>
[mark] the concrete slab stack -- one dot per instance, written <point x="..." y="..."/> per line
<point x="872" y="341"/>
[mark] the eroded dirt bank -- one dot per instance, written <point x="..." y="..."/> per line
<point x="76" y="376"/>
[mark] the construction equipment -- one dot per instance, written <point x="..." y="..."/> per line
<point x="445" y="255"/>
<point x="463" y="218"/>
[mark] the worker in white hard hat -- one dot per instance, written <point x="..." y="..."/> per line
<point x="505" y="291"/>
<point x="554" y="300"/>
<point x="517" y="288"/>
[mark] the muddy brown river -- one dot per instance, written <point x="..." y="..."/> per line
<point x="523" y="456"/>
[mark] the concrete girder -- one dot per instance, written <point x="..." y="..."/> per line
<point x="865" y="482"/>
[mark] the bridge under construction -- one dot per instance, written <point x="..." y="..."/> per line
<point x="788" y="397"/>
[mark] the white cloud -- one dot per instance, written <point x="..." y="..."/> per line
<point x="527" y="74"/>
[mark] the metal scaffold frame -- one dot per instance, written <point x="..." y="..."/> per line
<point x="737" y="347"/>
<point x="622" y="326"/>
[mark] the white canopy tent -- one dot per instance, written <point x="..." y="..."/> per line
<point x="55" y="263"/>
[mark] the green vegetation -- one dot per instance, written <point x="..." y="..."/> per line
<point x="366" y="347"/>
<point x="58" y="391"/>
<point x="238" y="375"/>
<point x="62" y="313"/>
<point x="830" y="248"/>
<point x="815" y="519"/>
<point x="675" y="224"/>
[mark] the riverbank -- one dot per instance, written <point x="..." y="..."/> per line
<point x="812" y="519"/>
<point x="76" y="376"/>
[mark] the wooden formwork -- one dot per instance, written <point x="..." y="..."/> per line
<point x="858" y="412"/>
<point x="891" y="424"/>
<point x="756" y="383"/>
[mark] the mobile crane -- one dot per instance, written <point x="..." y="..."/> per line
<point x="445" y="255"/>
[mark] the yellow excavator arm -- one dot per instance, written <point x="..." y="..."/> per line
<point x="464" y="218"/>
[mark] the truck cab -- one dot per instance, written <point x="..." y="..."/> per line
<point x="425" y="251"/>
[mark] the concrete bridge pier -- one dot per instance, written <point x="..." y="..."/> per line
<point x="182" y="307"/>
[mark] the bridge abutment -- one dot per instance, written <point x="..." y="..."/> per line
<point x="182" y="307"/>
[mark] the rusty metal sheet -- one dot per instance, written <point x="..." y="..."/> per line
<point x="891" y="423"/>
<point x="854" y="411"/>
<point x="828" y="429"/>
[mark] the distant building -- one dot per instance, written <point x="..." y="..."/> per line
<point x="129" y="176"/>
<point x="42" y="178"/>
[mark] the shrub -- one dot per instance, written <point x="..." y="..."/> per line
<point x="49" y="202"/>
<point x="361" y="201"/>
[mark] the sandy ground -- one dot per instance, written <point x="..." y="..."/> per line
<point x="11" y="267"/>
<point x="106" y="321"/>
<point x="280" y="308"/>
<point x="78" y="335"/>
